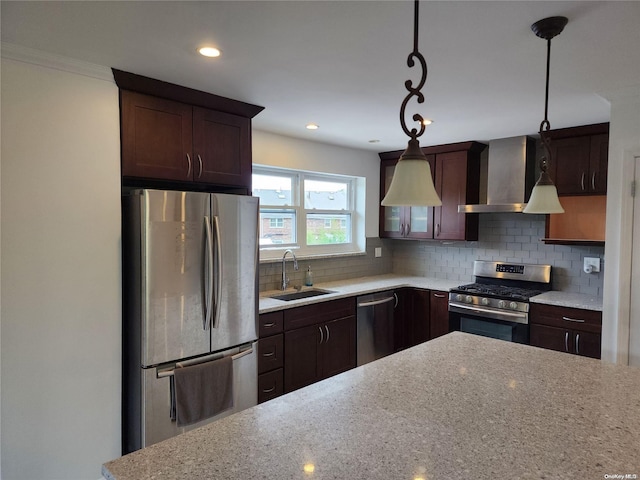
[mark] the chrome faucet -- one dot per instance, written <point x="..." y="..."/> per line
<point x="285" y="279"/>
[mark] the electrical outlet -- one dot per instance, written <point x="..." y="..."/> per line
<point x="591" y="264"/>
<point x="378" y="252"/>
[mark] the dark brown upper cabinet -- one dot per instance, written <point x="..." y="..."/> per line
<point x="403" y="222"/>
<point x="580" y="159"/>
<point x="455" y="170"/>
<point x="175" y="134"/>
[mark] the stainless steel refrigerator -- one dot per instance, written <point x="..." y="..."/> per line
<point x="190" y="296"/>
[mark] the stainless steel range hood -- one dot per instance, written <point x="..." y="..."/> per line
<point x="510" y="176"/>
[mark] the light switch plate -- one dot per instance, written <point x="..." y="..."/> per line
<point x="378" y="252"/>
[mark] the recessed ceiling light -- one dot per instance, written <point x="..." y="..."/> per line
<point x="209" y="51"/>
<point x="312" y="126"/>
<point x="374" y="141"/>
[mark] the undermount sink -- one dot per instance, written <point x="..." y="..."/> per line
<point x="312" y="292"/>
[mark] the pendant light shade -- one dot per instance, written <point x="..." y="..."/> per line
<point x="544" y="197"/>
<point x="412" y="183"/>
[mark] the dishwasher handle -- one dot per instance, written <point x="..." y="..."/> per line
<point x="378" y="302"/>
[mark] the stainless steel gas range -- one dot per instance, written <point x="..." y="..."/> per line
<point x="497" y="304"/>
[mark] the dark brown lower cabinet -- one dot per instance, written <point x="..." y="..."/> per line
<point x="565" y="340"/>
<point x="319" y="351"/>
<point x="572" y="330"/>
<point x="438" y="314"/>
<point x="411" y="318"/>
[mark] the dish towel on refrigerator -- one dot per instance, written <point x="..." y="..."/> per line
<point x="203" y="390"/>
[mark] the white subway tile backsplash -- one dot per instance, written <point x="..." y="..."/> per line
<point x="507" y="237"/>
<point x="502" y="237"/>
<point x="329" y="269"/>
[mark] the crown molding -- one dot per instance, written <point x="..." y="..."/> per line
<point x="58" y="62"/>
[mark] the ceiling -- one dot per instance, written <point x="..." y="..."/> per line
<point x="342" y="64"/>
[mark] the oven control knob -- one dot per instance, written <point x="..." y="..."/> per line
<point x="502" y="304"/>
<point x="485" y="301"/>
<point x="459" y="297"/>
<point x="513" y="305"/>
<point x="468" y="299"/>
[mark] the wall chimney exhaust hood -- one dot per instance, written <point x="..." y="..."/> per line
<point x="510" y="176"/>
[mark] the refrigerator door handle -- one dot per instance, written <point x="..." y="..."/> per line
<point x="208" y="358"/>
<point x="208" y="279"/>
<point x="218" y="297"/>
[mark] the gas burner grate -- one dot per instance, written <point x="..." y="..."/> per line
<point x="498" y="291"/>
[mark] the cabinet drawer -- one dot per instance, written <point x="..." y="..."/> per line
<point x="565" y="317"/>
<point x="270" y="353"/>
<point x="270" y="385"/>
<point x="270" y="323"/>
<point x="319" y="312"/>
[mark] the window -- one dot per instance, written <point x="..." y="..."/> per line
<point x="312" y="212"/>
<point x="276" y="222"/>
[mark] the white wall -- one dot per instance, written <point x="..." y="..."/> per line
<point x="60" y="261"/>
<point x="624" y="142"/>
<point x="287" y="152"/>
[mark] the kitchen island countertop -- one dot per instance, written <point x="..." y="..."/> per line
<point x="460" y="406"/>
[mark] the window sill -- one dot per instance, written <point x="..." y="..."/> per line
<point x="306" y="256"/>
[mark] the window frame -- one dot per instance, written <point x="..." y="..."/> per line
<point x="300" y="246"/>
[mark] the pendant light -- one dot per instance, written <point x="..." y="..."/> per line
<point x="412" y="183"/>
<point x="544" y="197"/>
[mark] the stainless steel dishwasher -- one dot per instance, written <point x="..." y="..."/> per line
<point x="375" y="325"/>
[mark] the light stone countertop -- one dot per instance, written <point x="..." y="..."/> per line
<point x="460" y="406"/>
<point x="355" y="286"/>
<point x="566" y="299"/>
<point x="365" y="285"/>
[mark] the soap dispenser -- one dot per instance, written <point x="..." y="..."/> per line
<point x="308" y="277"/>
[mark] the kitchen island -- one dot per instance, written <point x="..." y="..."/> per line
<point x="460" y="406"/>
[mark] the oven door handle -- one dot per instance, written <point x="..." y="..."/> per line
<point x="515" y="317"/>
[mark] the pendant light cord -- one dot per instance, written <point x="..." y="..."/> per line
<point x="545" y="126"/>
<point x="415" y="26"/>
<point x="545" y="123"/>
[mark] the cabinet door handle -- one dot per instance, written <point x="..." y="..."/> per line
<point x="437" y="229"/>
<point x="321" y="334"/>
<point x="395" y="305"/>
<point x="566" y="341"/>
<point x="200" y="164"/>
<point x="327" y="327"/>
<point x="269" y="390"/>
<point x="189" y="166"/>
<point x="578" y="343"/>
<point x="582" y="181"/>
<point x="269" y="354"/>
<point x="268" y="324"/>
<point x="593" y="181"/>
<point x="402" y="230"/>
<point x="576" y="320"/>
<point x="439" y="295"/>
<point x="408" y="228"/>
